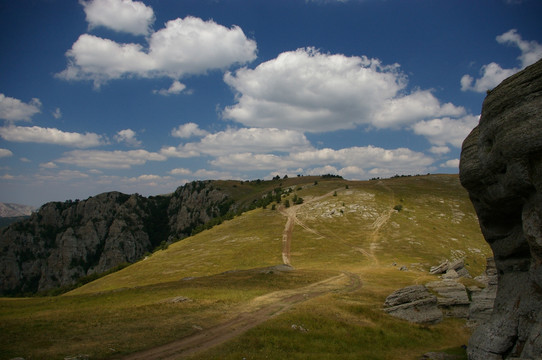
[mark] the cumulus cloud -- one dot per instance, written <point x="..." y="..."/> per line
<point x="180" y="171"/>
<point x="453" y="163"/>
<point x="120" y="15"/>
<point x="109" y="159"/>
<point x="183" y="47"/>
<point x="127" y="136"/>
<point x="446" y="130"/>
<point x="493" y="74"/>
<point x="348" y="160"/>
<point x="188" y="130"/>
<point x="238" y="141"/>
<point x="12" y="109"/>
<point x="57" y="114"/>
<point x="48" y="165"/>
<point x="176" y="88"/>
<point x="310" y="91"/>
<point x="5" y="153"/>
<point x="36" y="134"/>
<point x="439" y="150"/>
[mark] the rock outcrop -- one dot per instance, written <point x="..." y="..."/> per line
<point x="415" y="304"/>
<point x="63" y="242"/>
<point x="448" y="297"/>
<point x="501" y="167"/>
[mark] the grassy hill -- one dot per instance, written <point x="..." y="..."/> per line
<point x="347" y="242"/>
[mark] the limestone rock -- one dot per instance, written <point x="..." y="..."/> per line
<point x="415" y="304"/>
<point x="452" y="297"/>
<point x="501" y="167"/>
<point x="63" y="242"/>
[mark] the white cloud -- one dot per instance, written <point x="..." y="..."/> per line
<point x="453" y="163"/>
<point x="7" y="177"/>
<point x="127" y="136"/>
<point x="204" y="174"/>
<point x="493" y="74"/>
<point x="120" y="15"/>
<point x="531" y="51"/>
<point x="439" y="150"/>
<point x="238" y="141"/>
<point x="176" y="88"/>
<point x="188" y="130"/>
<point x="446" y="130"/>
<point x="36" y="134"/>
<point x="180" y="171"/>
<point x="250" y="140"/>
<point x="12" y="109"/>
<point x="57" y="114"/>
<point x="109" y="159"/>
<point x="185" y="46"/>
<point x="357" y="160"/>
<point x="72" y="174"/>
<point x="310" y="91"/>
<point x="5" y="153"/>
<point x="49" y="165"/>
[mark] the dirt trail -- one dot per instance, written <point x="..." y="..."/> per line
<point x="258" y="311"/>
<point x="291" y="214"/>
<point x="379" y="222"/>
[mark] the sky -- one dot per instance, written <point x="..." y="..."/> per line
<point x="144" y="96"/>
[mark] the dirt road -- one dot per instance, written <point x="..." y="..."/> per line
<point x="258" y="311"/>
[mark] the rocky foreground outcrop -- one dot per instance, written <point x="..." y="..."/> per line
<point x="501" y="167"/>
<point x="447" y="297"/>
<point x="64" y="241"/>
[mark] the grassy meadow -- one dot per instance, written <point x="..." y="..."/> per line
<point x="370" y="229"/>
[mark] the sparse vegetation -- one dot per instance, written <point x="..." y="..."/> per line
<point x="130" y="309"/>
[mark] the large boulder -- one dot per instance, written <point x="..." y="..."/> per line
<point x="501" y="167"/>
<point x="415" y="304"/>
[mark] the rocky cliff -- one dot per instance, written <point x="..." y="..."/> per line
<point x="63" y="242"/>
<point x="501" y="167"/>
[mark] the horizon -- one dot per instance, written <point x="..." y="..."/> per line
<point x="145" y="96"/>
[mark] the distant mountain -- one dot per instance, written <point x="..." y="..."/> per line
<point x="64" y="241"/>
<point x="15" y="210"/>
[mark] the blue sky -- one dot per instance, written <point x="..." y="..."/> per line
<point x="143" y="96"/>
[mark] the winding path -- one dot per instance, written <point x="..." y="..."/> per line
<point x="259" y="309"/>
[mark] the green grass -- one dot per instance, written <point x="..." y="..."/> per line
<point x="129" y="310"/>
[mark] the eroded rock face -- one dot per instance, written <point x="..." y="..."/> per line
<point x="501" y="167"/>
<point x="62" y="242"/>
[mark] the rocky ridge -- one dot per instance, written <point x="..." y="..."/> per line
<point x="501" y="168"/>
<point x="63" y="242"/>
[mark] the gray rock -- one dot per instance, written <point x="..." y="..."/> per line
<point x="501" y="167"/>
<point x="62" y="242"/>
<point x="415" y="304"/>
<point x="452" y="297"/>
<point x="439" y="269"/>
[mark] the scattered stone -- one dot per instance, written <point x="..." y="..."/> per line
<point x="450" y="274"/>
<point x="199" y="328"/>
<point x="439" y="269"/>
<point x="179" y="299"/>
<point x="403" y="268"/>
<point x="299" y="328"/>
<point x="415" y="304"/>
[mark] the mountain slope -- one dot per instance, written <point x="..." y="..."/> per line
<point x="342" y="231"/>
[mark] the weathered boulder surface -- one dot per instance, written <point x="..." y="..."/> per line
<point x="415" y="304"/>
<point x="501" y="167"/>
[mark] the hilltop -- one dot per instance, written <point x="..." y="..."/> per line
<point x="282" y="282"/>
